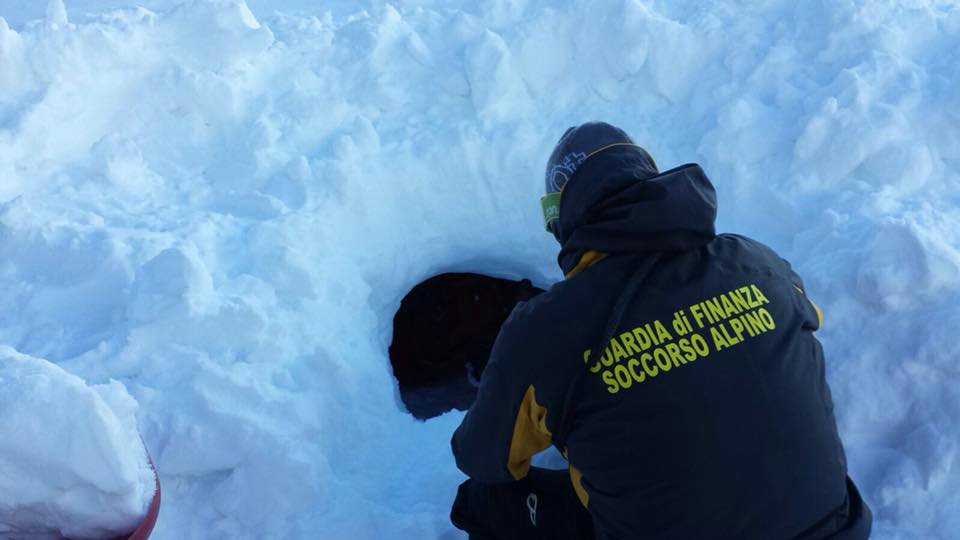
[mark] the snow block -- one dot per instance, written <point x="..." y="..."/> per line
<point x="71" y="460"/>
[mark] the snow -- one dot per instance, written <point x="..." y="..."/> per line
<point x="71" y="462"/>
<point x="220" y="205"/>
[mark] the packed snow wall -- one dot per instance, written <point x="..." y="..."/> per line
<point x="221" y="207"/>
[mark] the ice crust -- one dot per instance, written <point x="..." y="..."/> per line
<point x="71" y="460"/>
<point x="221" y="205"/>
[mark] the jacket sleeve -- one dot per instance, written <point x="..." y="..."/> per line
<point x="814" y="315"/>
<point x="505" y="426"/>
<point x="798" y="285"/>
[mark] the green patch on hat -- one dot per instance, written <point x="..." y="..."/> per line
<point x="551" y="208"/>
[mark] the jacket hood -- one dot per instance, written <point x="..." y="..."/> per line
<point x="614" y="204"/>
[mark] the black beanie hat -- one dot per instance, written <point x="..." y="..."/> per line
<point x="576" y="145"/>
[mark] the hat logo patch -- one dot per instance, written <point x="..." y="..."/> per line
<point x="561" y="172"/>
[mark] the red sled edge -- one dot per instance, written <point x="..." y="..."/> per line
<point x="142" y="532"/>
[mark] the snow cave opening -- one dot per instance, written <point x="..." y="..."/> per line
<point x="443" y="334"/>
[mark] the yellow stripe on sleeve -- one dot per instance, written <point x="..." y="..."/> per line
<point x="814" y="304"/>
<point x="530" y="435"/>
<point x="586" y="261"/>
<point x="818" y="310"/>
<point x="576" y="478"/>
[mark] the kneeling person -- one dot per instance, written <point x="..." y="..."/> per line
<point x="676" y="369"/>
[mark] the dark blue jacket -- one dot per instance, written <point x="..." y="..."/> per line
<point x="676" y="369"/>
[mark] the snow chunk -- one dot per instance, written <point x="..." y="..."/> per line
<point x="498" y="91"/>
<point x="175" y="281"/>
<point x="56" y="13"/>
<point x="71" y="459"/>
<point x="15" y="74"/>
<point x="217" y="31"/>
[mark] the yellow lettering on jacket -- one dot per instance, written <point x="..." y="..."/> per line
<point x="612" y="385"/>
<point x="725" y="320"/>
<point x="586" y="358"/>
<point x="632" y="365"/>
<point x="629" y="343"/>
<point x="618" y="352"/>
<point x="719" y="342"/>
<point x="645" y="359"/>
<point x="761" y="299"/>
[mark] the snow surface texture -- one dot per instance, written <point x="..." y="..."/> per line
<point x="221" y="206"/>
<point x="71" y="461"/>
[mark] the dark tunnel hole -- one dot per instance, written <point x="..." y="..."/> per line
<point x="443" y="334"/>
